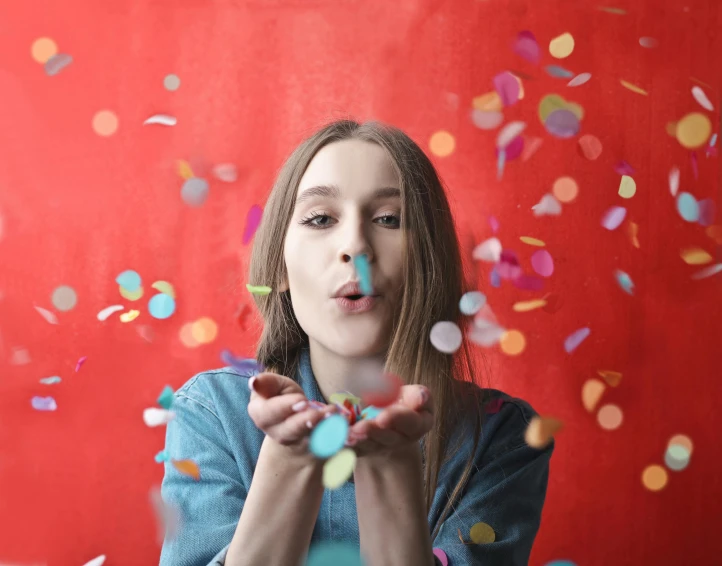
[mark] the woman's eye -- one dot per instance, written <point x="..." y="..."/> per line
<point x="390" y="220"/>
<point x="317" y="220"/>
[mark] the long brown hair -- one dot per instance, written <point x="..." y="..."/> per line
<point x="434" y="284"/>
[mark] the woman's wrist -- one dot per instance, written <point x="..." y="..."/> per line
<point x="288" y="457"/>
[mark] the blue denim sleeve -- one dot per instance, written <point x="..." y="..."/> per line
<point x="506" y="492"/>
<point x="209" y="508"/>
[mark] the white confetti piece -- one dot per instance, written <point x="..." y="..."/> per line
<point x="485" y="333"/>
<point x="580" y="79"/>
<point x="107" y="311"/>
<point x="162" y="119"/>
<point x="708" y="271"/>
<point x="47" y="315"/>
<point x="548" y="205"/>
<point x="225" y="172"/>
<point x="674" y="181"/>
<point x="488" y="250"/>
<point x="445" y="337"/>
<point x="701" y="98"/>
<point x="154" y="416"/>
<point x="98" y="561"/>
<point x="509" y="132"/>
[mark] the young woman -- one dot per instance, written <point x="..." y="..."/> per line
<point x="446" y="456"/>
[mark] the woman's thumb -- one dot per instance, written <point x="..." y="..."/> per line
<point x="266" y="384"/>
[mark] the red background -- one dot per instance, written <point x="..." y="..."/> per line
<point x="257" y="76"/>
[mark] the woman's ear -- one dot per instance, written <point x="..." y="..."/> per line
<point x="283" y="287"/>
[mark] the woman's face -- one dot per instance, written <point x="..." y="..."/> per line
<point x="348" y="203"/>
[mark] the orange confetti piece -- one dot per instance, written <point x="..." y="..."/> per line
<point x="541" y="431"/>
<point x="526" y="306"/>
<point x="591" y="393"/>
<point x="187" y="467"/>
<point x="532" y="241"/>
<point x="633" y="232"/>
<point x="611" y="377"/>
<point x="715" y="232"/>
<point x="184" y="170"/>
<point x="695" y="256"/>
<point x="633" y="87"/>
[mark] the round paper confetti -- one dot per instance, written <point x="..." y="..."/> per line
<point x="43" y="404"/>
<point x="333" y="554"/>
<point x="627" y="187"/>
<point x="338" y="469"/>
<point x="105" y="123"/>
<point x="171" y="82"/>
<point x="204" y="330"/>
<point x="186" y="336"/>
<point x="590" y="146"/>
<point x="194" y="191"/>
<point x="488" y="250"/>
<point x="565" y="189"/>
<point x="548" y="205"/>
<point x="591" y="393"/>
<point x="526" y="306"/>
<point x="481" y="533"/>
<point x="129" y="280"/>
<point x="489" y="102"/>
<point x="471" y="302"/>
<point x="693" y="130"/>
<point x="654" y="477"/>
<point x="507" y="85"/>
<point x="161" y="306"/>
<point x="442" y="144"/>
<point x="509" y="132"/>
<point x="541" y="430"/>
<point x="527" y="47"/>
<point x="610" y="417"/>
<point x="64" y="298"/>
<point x="131" y="295"/>
<point x="441" y="555"/>
<point x="676" y="458"/>
<point x="446" y="337"/>
<point x="696" y="256"/>
<point x="573" y="340"/>
<point x="512" y="342"/>
<point x="614" y="217"/>
<point x="43" y="49"/>
<point x="580" y="79"/>
<point x="683" y="441"/>
<point x="688" y="207"/>
<point x="329" y="436"/>
<point x="486" y="120"/>
<point x="543" y="263"/>
<point x="559" y="72"/>
<point x="561" y="46"/>
<point x="562" y="124"/>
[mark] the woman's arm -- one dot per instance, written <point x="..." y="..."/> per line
<point x="284" y="497"/>
<point x="391" y="510"/>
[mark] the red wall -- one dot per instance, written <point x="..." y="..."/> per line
<point x="77" y="209"/>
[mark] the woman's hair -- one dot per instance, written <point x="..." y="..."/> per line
<point x="433" y="285"/>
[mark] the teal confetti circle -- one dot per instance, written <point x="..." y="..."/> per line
<point x="129" y="280"/>
<point x="161" y="306"/>
<point x="333" y="554"/>
<point x="329" y="436"/>
<point x="688" y="207"/>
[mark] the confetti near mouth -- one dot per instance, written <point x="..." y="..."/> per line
<point x="541" y="430"/>
<point x="363" y="269"/>
<point x="575" y="339"/>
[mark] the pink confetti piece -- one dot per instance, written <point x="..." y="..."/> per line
<point x="81" y="361"/>
<point x="508" y="133"/>
<point x="707" y="212"/>
<point x="575" y="339"/>
<point x="528" y="283"/>
<point x="513" y="150"/>
<point x="507" y="86"/>
<point x="543" y="263"/>
<point x="225" y="172"/>
<point x="508" y="266"/>
<point x="531" y="145"/>
<point x="624" y="168"/>
<point x="693" y="161"/>
<point x="580" y="79"/>
<point x="494" y="223"/>
<point x="674" y="181"/>
<point x="47" y="315"/>
<point x="253" y="220"/>
<point x="526" y="47"/>
<point x="614" y="217"/>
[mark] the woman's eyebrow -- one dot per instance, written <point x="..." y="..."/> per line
<point x="332" y="191"/>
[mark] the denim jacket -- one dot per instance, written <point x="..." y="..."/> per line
<point x="506" y="489"/>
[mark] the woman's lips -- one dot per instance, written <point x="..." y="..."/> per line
<point x="364" y="304"/>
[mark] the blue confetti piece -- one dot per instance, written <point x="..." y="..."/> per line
<point x="50" y="380"/>
<point x="244" y="366"/>
<point x="624" y="281"/>
<point x="165" y="399"/>
<point x="495" y="278"/>
<point x="361" y="263"/>
<point x="576" y="338"/>
<point x="334" y="554"/>
<point x="161" y="306"/>
<point x="329" y="436"/>
<point x="370" y="413"/>
<point x="129" y="280"/>
<point x="162" y="456"/>
<point x="688" y="207"/>
<point x="472" y="302"/>
<point x="44" y="404"/>
<point x="713" y="140"/>
<point x="559" y="72"/>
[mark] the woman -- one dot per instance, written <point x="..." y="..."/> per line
<point x="446" y="456"/>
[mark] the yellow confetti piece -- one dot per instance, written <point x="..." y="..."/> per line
<point x="562" y="46"/>
<point x="481" y="533"/>
<point x="627" y="187"/>
<point x="633" y="232"/>
<point x="258" y="289"/>
<point x="512" y="342"/>
<point x="591" y="393"/>
<point x="633" y="87"/>
<point x="532" y="241"/>
<point x="442" y="143"/>
<point x="165" y="288"/>
<point x="131" y="295"/>
<point x="43" y="49"/>
<point x="338" y="469"/>
<point x="695" y="256"/>
<point x="541" y="431"/>
<point x="654" y="477"/>
<point x="184" y="170"/>
<point x="693" y="130"/>
<point x="613" y="378"/>
<point x="187" y="467"/>
<point x="489" y="102"/>
<point x="129" y="316"/>
<point x="186" y="336"/>
<point x="526" y="306"/>
<point x="204" y="330"/>
<point x="341" y="397"/>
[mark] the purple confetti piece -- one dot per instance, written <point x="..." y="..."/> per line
<point x="507" y="86"/>
<point x="253" y="219"/>
<point x="513" y="150"/>
<point x="576" y="338"/>
<point x="528" y="283"/>
<point x="614" y="217"/>
<point x="508" y="266"/>
<point x="526" y="47"/>
<point x="244" y="366"/>
<point x="543" y="263"/>
<point x="44" y="404"/>
<point x="624" y="168"/>
<point x="562" y="123"/>
<point x="707" y="212"/>
<point x="495" y="279"/>
<point x="81" y="361"/>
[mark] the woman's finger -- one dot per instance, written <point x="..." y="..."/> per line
<point x="299" y="425"/>
<point x="270" y="412"/>
<point x="416" y="397"/>
<point x="267" y="385"/>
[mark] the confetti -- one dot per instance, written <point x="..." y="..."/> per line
<point x="532" y="241"/>
<point x="708" y="271"/>
<point x="471" y="302"/>
<point x="613" y="378"/>
<point x="514" y="149"/>
<point x="565" y="189"/>
<point x="333" y="554"/>
<point x="370" y="413"/>
<point x="693" y="130"/>
<point x="253" y="220"/>
<point x="204" y="330"/>
<point x="648" y="42"/>
<point x="542" y="263"/>
<point x="97" y="561"/>
<point x="43" y="49"/>
<point x="501" y="159"/>
<point x="590" y="146"/>
<point x="20" y="357"/>
<point x="508" y="266"/>
<point x="489" y="250"/>
<point x="695" y="256"/>
<point x="242" y="365"/>
<point x="165" y="399"/>
<point x="129" y="280"/>
<point x="512" y="342"/>
<point x="610" y="417"/>
<point x="674" y="181"/>
<point x="161" y="306"/>
<point x="64" y="298"/>
<point x="188" y="468"/>
<point x="47" y="315"/>
<point x="446" y="337"/>
<point x="701" y="98"/>
<point x="194" y="191"/>
<point x="614" y="217"/>
<point x="441" y="555"/>
<point x="624" y="281"/>
<point x="184" y="170"/>
<point x="481" y="533"/>
<point x="107" y="311"/>
<point x="509" y="132"/>
<point x="486" y="120"/>
<point x="489" y="102"/>
<point x="485" y="333"/>
<point x="654" y="477"/>
<point x="44" y="404"/>
<point x="526" y="47"/>
<point x="707" y="212"/>
<point x="548" y="206"/>
<point x="531" y="145"/>
<point x="131" y="295"/>
<point x="573" y="341"/>
<point x="633" y="233"/>
<point x="633" y="87"/>
<point x="693" y="162"/>
<point x="558" y="72"/>
<point x="715" y="232"/>
<point x="338" y="469"/>
<point x="50" y="380"/>
<point x="258" y="289"/>
<point x="57" y="63"/>
<point x="105" y="123"/>
<point x="171" y="82"/>
<point x="553" y="102"/>
<point x="129" y="316"/>
<point x="624" y="168"/>
<point x="507" y="86"/>
<point x="592" y="391"/>
<point x="688" y="207"/>
<point x="676" y="458"/>
<point x="580" y="79"/>
<point x="162" y="119"/>
<point x="165" y="288"/>
<point x="526" y="306"/>
<point x="363" y="270"/>
<point x="156" y="417"/>
<point x="561" y="46"/>
<point x="162" y="456"/>
<point x="683" y="441"/>
<point x="541" y="430"/>
<point x="562" y="124"/>
<point x="225" y="172"/>
<point x="80" y="363"/>
<point x="627" y="187"/>
<point x="442" y="144"/>
<point x="329" y="436"/>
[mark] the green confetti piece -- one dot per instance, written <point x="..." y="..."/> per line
<point x="258" y="289"/>
<point x="166" y="397"/>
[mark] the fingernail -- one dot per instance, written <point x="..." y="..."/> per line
<point x="309" y="425"/>
<point x="251" y="382"/>
<point x="299" y="406"/>
<point x="424" y="396"/>
<point x="350" y="442"/>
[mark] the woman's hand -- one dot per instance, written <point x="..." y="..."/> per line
<point x="398" y="426"/>
<point x="279" y="407"/>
